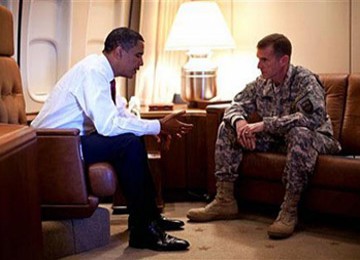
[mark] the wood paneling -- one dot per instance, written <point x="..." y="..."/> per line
<point x="20" y="223"/>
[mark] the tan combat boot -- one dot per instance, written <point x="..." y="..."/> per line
<point x="286" y="221"/>
<point x="224" y="206"/>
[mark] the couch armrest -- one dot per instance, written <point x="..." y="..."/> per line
<point x="101" y="176"/>
<point x="102" y="179"/>
<point x="61" y="170"/>
<point x="217" y="109"/>
<point x="67" y="189"/>
<point x="54" y="132"/>
<point x="214" y="116"/>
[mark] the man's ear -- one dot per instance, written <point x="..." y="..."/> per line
<point x="118" y="52"/>
<point x="284" y="60"/>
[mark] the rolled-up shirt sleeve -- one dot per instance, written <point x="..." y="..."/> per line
<point x="95" y="100"/>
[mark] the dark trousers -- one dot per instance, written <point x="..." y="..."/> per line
<point x="127" y="154"/>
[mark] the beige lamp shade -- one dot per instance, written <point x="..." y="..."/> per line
<point x="198" y="26"/>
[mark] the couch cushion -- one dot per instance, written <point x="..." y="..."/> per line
<point x="12" y="104"/>
<point x="262" y="165"/>
<point x="337" y="172"/>
<point x="333" y="172"/>
<point x="335" y="86"/>
<point x="350" y="134"/>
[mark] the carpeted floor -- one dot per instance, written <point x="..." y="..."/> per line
<point x="245" y="238"/>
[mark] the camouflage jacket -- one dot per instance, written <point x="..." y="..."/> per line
<point x="298" y="102"/>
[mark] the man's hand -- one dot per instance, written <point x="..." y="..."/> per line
<point x="170" y="125"/>
<point x="164" y="140"/>
<point x="246" y="133"/>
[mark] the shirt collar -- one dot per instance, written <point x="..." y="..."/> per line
<point x="288" y="75"/>
<point x="268" y="84"/>
<point x="109" y="73"/>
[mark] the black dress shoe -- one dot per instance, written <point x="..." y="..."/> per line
<point x="169" y="224"/>
<point x="155" y="238"/>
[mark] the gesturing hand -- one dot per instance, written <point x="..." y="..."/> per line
<point x="164" y="140"/>
<point x="170" y="124"/>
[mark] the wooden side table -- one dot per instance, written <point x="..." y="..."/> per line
<point x="185" y="164"/>
<point x="182" y="169"/>
<point x="20" y="223"/>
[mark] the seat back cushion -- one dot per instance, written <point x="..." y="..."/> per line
<point x="350" y="134"/>
<point x="12" y="103"/>
<point x="335" y="87"/>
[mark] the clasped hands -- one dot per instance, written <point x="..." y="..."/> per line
<point x="246" y="133"/>
<point x="171" y="126"/>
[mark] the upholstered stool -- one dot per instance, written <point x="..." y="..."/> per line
<point x="67" y="237"/>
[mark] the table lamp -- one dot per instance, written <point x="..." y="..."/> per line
<point x="198" y="28"/>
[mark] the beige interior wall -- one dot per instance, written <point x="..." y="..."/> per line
<point x="355" y="36"/>
<point x="318" y="30"/>
<point x="79" y="20"/>
<point x="92" y="20"/>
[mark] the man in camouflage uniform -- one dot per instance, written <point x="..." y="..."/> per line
<point x="291" y="102"/>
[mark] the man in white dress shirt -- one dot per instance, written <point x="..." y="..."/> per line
<point x="82" y="99"/>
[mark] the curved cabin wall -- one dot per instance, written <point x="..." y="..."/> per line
<point x="58" y="33"/>
<point x="91" y="23"/>
<point x="45" y="48"/>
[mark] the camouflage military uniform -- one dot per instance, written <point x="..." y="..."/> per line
<point x="295" y="123"/>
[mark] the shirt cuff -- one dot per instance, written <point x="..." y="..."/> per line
<point x="154" y="127"/>
<point x="234" y="119"/>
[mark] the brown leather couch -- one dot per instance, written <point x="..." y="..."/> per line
<point x="67" y="188"/>
<point x="335" y="186"/>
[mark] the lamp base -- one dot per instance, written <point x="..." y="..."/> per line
<point x="198" y="78"/>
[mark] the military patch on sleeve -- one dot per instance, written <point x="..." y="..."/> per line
<point x="307" y="106"/>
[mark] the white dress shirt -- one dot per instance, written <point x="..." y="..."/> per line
<point x="82" y="99"/>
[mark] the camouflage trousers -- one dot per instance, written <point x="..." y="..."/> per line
<point x="300" y="145"/>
